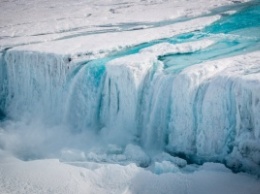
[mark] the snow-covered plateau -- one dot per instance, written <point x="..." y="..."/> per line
<point x="140" y="96"/>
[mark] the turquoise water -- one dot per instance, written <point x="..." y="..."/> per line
<point x="246" y="18"/>
<point x="231" y="38"/>
<point x="233" y="35"/>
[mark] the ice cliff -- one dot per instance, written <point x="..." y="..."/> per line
<point x="195" y="96"/>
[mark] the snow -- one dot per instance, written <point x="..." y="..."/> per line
<point x="101" y="44"/>
<point x="136" y="154"/>
<point x="52" y="176"/>
<point x="141" y="96"/>
<point x="166" y="48"/>
<point x="45" y="17"/>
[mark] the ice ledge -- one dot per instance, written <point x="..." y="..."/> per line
<point x="217" y="100"/>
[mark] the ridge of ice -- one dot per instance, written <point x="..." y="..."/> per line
<point x="167" y="48"/>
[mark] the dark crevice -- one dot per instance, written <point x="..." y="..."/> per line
<point x="2" y="115"/>
<point x="4" y="84"/>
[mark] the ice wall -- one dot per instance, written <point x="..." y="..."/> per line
<point x="207" y="112"/>
<point x="198" y="99"/>
<point x="35" y="83"/>
<point x="3" y="86"/>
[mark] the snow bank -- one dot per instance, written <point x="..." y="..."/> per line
<point x="51" y="176"/>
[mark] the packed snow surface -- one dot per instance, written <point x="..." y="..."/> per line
<point x="141" y="96"/>
<point x="51" y="176"/>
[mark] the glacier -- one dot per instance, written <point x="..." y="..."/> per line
<point x="194" y="96"/>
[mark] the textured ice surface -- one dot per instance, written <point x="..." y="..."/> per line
<point x="51" y="176"/>
<point x="175" y="87"/>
